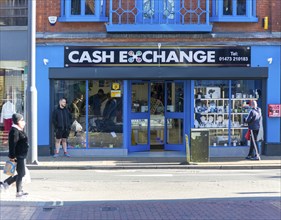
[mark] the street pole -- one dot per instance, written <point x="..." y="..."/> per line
<point x="31" y="93"/>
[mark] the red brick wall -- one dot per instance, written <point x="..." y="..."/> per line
<point x="275" y="17"/>
<point x="270" y="8"/>
<point x="52" y="8"/>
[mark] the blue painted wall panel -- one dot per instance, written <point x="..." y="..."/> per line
<point x="260" y="56"/>
<point x="55" y="55"/>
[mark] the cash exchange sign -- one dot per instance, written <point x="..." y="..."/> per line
<point x="165" y="56"/>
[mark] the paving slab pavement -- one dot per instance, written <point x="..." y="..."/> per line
<point x="48" y="162"/>
<point x="269" y="209"/>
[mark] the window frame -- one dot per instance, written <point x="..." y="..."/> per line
<point x="218" y="16"/>
<point x="98" y="16"/>
<point x="158" y="12"/>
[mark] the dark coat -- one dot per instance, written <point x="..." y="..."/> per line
<point x="253" y="119"/>
<point x="95" y="102"/>
<point x="18" y="143"/>
<point x="110" y="109"/>
<point x="62" y="118"/>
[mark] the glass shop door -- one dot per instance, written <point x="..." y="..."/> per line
<point x="156" y="118"/>
<point x="139" y="116"/>
<point x="174" y="116"/>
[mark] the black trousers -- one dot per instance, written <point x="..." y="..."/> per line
<point x="252" y="147"/>
<point x="20" y="174"/>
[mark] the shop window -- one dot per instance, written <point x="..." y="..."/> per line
<point x="83" y="11"/>
<point x="234" y="11"/>
<point x="96" y="107"/>
<point x="74" y="92"/>
<point x="105" y="114"/>
<point x="13" y="13"/>
<point x="221" y="107"/>
<point x="12" y="90"/>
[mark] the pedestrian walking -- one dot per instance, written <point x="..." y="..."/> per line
<point x="254" y="119"/>
<point x="18" y="148"/>
<point x="62" y="121"/>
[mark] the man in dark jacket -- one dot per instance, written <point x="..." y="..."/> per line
<point x="62" y="123"/>
<point x="253" y="120"/>
<point x="95" y="102"/>
<point x="18" y="148"/>
<point x="110" y="108"/>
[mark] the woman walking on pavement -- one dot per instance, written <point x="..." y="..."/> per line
<point x="18" y="148"/>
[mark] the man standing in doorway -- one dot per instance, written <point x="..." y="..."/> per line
<point x="62" y="123"/>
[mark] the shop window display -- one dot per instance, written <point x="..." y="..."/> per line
<point x="96" y="114"/>
<point x="12" y="87"/>
<point x="221" y="106"/>
<point x="105" y="114"/>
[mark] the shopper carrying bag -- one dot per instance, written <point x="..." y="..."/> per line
<point x="18" y="148"/>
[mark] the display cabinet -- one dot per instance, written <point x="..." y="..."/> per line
<point x="156" y="128"/>
<point x="222" y="114"/>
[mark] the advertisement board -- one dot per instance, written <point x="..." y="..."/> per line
<point x="86" y="56"/>
<point x="274" y="110"/>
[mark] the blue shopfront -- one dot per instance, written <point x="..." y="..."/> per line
<point x="150" y="97"/>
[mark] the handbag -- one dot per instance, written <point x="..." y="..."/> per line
<point x="76" y="126"/>
<point x="248" y="135"/>
<point x="10" y="168"/>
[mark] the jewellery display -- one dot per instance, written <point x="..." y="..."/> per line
<point x="223" y="116"/>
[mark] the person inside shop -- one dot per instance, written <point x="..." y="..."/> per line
<point x="18" y="148"/>
<point x="110" y="109"/>
<point x="179" y="100"/>
<point x="253" y="119"/>
<point x="75" y="112"/>
<point x="95" y="102"/>
<point x="62" y="121"/>
<point x="80" y="102"/>
<point x="74" y="109"/>
<point x="156" y="105"/>
<point x="8" y="109"/>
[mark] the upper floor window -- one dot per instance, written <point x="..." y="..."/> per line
<point x="13" y="13"/>
<point x="163" y="11"/>
<point x="83" y="11"/>
<point x="234" y="11"/>
<point x="159" y="16"/>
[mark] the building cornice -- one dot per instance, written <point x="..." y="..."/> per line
<point x="99" y="35"/>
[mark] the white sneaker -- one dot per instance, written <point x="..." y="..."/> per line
<point x="4" y="186"/>
<point x="21" y="194"/>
